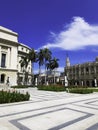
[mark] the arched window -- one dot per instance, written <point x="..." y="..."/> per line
<point x="87" y="70"/>
<point x="2" y="78"/>
<point x="3" y="60"/>
<point x="93" y="83"/>
<point x="87" y="83"/>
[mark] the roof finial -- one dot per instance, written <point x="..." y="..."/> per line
<point x="67" y="60"/>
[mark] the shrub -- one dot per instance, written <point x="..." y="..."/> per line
<point x="52" y="88"/>
<point x="81" y="90"/>
<point x="14" y="96"/>
<point x="94" y="89"/>
<point x="21" y="86"/>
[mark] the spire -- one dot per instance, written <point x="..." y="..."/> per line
<point x="67" y="61"/>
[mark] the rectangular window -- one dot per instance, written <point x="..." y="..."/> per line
<point x="3" y="60"/>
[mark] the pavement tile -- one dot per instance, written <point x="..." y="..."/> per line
<point x="51" y="111"/>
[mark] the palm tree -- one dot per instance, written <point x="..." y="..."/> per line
<point x="53" y="65"/>
<point x="40" y="60"/>
<point x="47" y="58"/>
<point x="48" y="65"/>
<point x="32" y="56"/>
<point x="24" y="63"/>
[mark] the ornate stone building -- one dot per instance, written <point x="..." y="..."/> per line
<point x="11" y="52"/>
<point x="85" y="74"/>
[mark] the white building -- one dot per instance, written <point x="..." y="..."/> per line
<point x="11" y="52"/>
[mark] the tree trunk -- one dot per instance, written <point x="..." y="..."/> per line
<point x="39" y="75"/>
<point x="23" y="76"/>
<point x="33" y="72"/>
<point x="45" y="73"/>
<point x="54" y="76"/>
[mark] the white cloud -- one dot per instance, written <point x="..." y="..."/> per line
<point x="76" y="35"/>
<point x="60" y="69"/>
<point x="36" y="71"/>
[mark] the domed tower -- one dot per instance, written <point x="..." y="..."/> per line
<point x="66" y="68"/>
<point x="67" y="61"/>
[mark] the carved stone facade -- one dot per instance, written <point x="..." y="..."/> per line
<point x="85" y="74"/>
<point x="11" y="52"/>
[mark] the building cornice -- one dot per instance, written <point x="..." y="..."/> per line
<point x="4" y="69"/>
<point x="2" y="29"/>
<point x="21" y="44"/>
<point x="22" y="53"/>
<point x="21" y="73"/>
<point x="4" y="41"/>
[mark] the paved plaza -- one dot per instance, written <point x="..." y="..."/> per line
<point x="51" y="111"/>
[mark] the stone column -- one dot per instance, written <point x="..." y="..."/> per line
<point x="76" y="83"/>
<point x="0" y="63"/>
<point x="0" y="56"/>
<point x="90" y="82"/>
<point x="95" y="82"/>
<point x="85" y="83"/>
<point x="79" y="71"/>
<point x="95" y="69"/>
<point x="66" y="81"/>
<point x="84" y="70"/>
<point x="8" y="59"/>
<point x="82" y="83"/>
<point x="89" y="70"/>
<point x="36" y="81"/>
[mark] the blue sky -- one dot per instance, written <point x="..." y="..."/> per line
<point x="65" y="26"/>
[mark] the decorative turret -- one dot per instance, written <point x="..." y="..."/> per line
<point x="67" y="61"/>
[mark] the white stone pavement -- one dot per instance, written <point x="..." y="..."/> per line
<point x="51" y="111"/>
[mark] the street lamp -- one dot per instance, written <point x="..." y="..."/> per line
<point x="66" y="81"/>
<point x="95" y="81"/>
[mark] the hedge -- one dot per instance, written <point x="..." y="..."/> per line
<point x="56" y="88"/>
<point x="81" y="90"/>
<point x="13" y="96"/>
<point x="21" y="86"/>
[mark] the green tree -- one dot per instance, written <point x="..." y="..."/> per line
<point x="32" y="56"/>
<point x="24" y="63"/>
<point x="47" y="58"/>
<point x="40" y="60"/>
<point x="53" y="65"/>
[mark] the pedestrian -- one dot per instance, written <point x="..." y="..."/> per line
<point x="7" y="81"/>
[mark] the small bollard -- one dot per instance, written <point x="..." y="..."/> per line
<point x="67" y="90"/>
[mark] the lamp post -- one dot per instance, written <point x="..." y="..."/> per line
<point x="95" y="81"/>
<point x="66" y="81"/>
<point x="36" y="81"/>
<point x="82" y="83"/>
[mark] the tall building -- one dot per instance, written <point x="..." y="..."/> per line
<point x="11" y="52"/>
<point x="67" y="61"/>
<point x="85" y="74"/>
